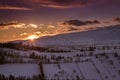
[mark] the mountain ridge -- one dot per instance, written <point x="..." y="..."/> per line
<point x="110" y="33"/>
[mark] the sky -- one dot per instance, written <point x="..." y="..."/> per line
<point x="20" y="19"/>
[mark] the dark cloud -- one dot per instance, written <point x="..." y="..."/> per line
<point x="72" y="29"/>
<point x="8" y="24"/>
<point x="30" y="4"/>
<point x="79" y="23"/>
<point x="117" y="19"/>
<point x="64" y="3"/>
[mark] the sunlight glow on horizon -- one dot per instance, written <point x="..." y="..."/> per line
<point x="32" y="37"/>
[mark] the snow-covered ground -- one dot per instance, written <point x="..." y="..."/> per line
<point x="17" y="70"/>
<point x="100" y="64"/>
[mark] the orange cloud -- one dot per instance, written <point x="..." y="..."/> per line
<point x="13" y="24"/>
<point x="32" y="25"/>
<point x="24" y="34"/>
<point x="13" y="8"/>
<point x="51" y="26"/>
<point x="16" y="24"/>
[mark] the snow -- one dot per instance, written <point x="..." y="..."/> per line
<point x="85" y="66"/>
<point x="89" y="71"/>
<point x="103" y="70"/>
<point x="17" y="70"/>
<point x="63" y="71"/>
<point x="71" y="70"/>
<point x="50" y="70"/>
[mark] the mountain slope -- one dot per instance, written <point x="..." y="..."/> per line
<point x="76" y="38"/>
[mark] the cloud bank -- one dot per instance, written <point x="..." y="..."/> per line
<point x="79" y="25"/>
<point x="79" y="22"/>
<point x="30" y="4"/>
<point x="63" y="3"/>
<point x="15" y="24"/>
<point x="13" y="8"/>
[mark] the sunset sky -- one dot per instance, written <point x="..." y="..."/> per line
<point x="20" y="19"/>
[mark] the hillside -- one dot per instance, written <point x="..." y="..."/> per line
<point x="105" y="34"/>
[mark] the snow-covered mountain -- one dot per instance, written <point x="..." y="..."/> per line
<point x="105" y="34"/>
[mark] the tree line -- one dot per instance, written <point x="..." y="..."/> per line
<point x="20" y="46"/>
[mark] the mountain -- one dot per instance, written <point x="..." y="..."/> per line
<point x="105" y="34"/>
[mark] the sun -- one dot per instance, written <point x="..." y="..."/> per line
<point x="32" y="37"/>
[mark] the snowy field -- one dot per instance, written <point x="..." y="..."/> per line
<point x="100" y="62"/>
<point x="61" y="71"/>
<point x="17" y="70"/>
